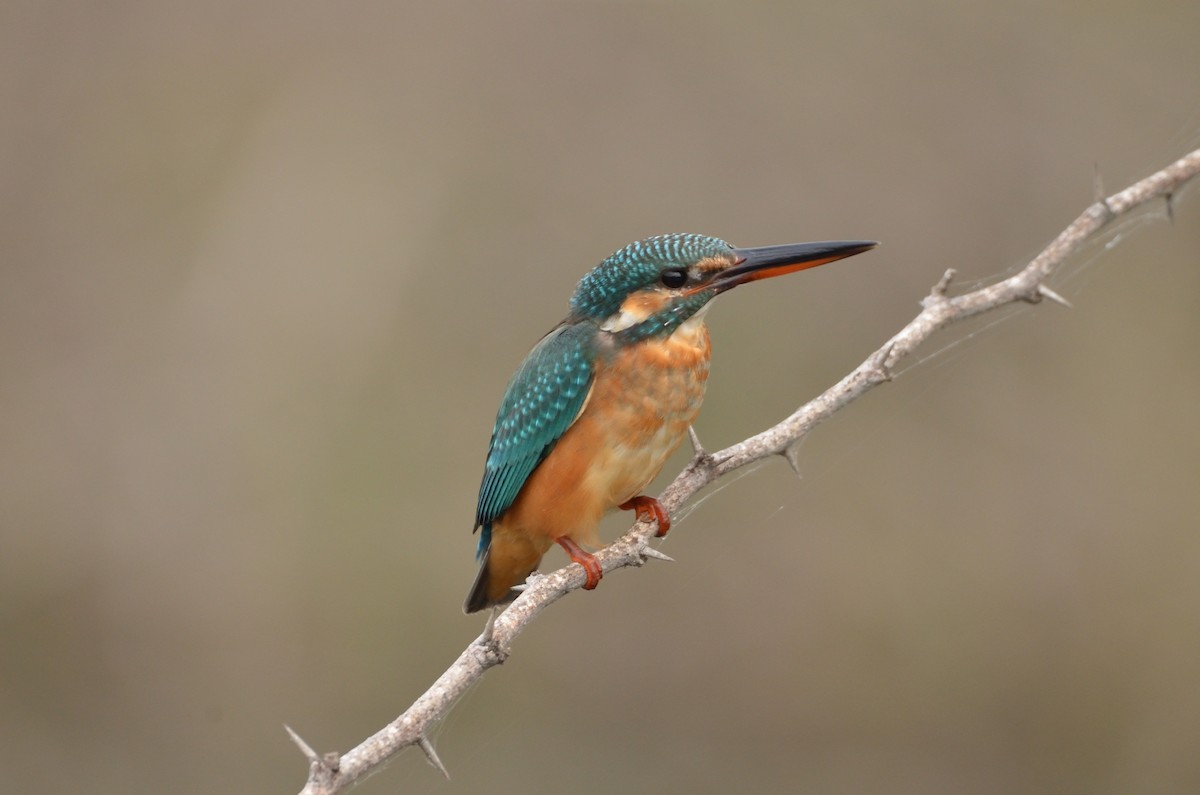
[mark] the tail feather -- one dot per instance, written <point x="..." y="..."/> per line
<point x="506" y="562"/>
<point x="477" y="599"/>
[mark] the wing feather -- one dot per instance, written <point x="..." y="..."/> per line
<point x="542" y="401"/>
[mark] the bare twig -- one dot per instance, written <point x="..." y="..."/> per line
<point x="332" y="773"/>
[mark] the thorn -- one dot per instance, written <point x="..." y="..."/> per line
<point x="1046" y="292"/>
<point x="304" y="747"/>
<point x="944" y="282"/>
<point x="530" y="581"/>
<point x="651" y="552"/>
<point x="486" y="638"/>
<point x="697" y="448"/>
<point x="1170" y="197"/>
<point x="939" y="289"/>
<point x="1097" y="184"/>
<point x="432" y="756"/>
<point x="880" y="362"/>
<point x="792" y="454"/>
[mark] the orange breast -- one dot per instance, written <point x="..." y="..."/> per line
<point x="643" y="399"/>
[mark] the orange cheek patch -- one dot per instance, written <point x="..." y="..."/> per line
<point x="644" y="303"/>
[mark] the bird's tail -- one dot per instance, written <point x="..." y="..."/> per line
<point x="507" y="561"/>
<point x="478" y="599"/>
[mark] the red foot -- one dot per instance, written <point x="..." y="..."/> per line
<point x="583" y="558"/>
<point x="649" y="508"/>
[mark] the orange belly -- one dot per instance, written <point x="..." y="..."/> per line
<point x="642" y="401"/>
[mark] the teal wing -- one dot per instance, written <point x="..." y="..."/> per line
<point x="543" y="399"/>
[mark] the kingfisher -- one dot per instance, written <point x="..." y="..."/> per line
<point x="603" y="400"/>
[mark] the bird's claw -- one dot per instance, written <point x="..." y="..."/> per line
<point x="649" y="508"/>
<point x="591" y="566"/>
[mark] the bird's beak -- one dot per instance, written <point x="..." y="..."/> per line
<point x="763" y="263"/>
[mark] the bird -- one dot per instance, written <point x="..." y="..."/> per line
<point x="601" y="402"/>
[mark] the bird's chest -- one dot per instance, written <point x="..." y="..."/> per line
<point x="643" y="400"/>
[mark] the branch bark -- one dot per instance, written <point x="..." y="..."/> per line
<point x="333" y="773"/>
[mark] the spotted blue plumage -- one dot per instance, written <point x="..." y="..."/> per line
<point x="542" y="400"/>
<point x="601" y="291"/>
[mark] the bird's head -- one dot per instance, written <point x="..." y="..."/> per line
<point x="651" y="287"/>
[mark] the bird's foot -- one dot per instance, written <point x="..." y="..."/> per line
<point x="649" y="508"/>
<point x="579" y="555"/>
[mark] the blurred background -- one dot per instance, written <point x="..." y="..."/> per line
<point x="266" y="269"/>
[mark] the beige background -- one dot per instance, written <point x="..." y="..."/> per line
<point x="267" y="268"/>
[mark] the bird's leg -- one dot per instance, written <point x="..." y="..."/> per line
<point x="584" y="558"/>
<point x="649" y="508"/>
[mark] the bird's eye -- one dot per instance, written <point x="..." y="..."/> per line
<point x="675" y="277"/>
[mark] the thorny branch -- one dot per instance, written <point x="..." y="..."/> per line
<point x="331" y="773"/>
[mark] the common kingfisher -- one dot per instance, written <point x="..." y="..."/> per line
<point x="601" y="402"/>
